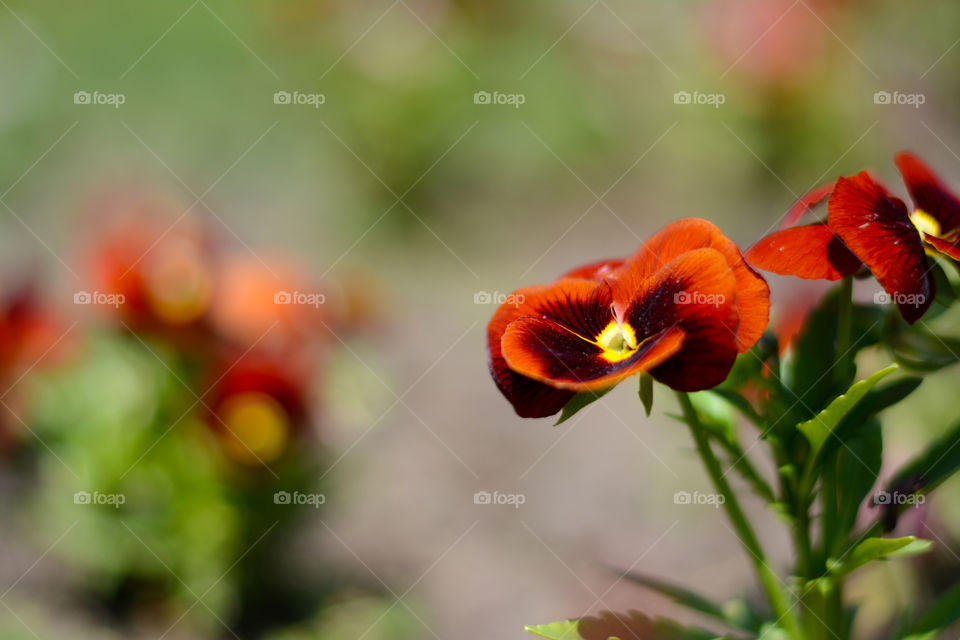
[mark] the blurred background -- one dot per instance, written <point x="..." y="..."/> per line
<point x="249" y="251"/>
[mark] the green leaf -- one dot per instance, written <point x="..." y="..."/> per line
<point x="922" y="350"/>
<point x="876" y="548"/>
<point x="735" y="612"/>
<point x="566" y="630"/>
<point x="678" y="594"/>
<point x="624" y="625"/>
<point x="944" y="611"/>
<point x="939" y="461"/>
<point x="578" y="402"/>
<point x="739" y="403"/>
<point x="858" y="464"/>
<point x="876" y="400"/>
<point x="818" y="429"/>
<point x="646" y="392"/>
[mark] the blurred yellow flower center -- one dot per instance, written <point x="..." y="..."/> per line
<point x="618" y="341"/>
<point x="925" y="223"/>
<point x="257" y="427"/>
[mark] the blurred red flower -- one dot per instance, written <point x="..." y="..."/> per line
<point x="32" y="339"/>
<point x="258" y="403"/>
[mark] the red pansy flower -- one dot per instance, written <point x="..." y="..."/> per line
<point x="681" y="308"/>
<point x="866" y="225"/>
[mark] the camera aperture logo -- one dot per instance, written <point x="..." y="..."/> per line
<point x="899" y="98"/>
<point x="497" y="498"/>
<point x="699" y="98"/>
<point x="311" y="299"/>
<point x="495" y="297"/>
<point x="99" y="298"/>
<point x="96" y="498"/>
<point x="898" y="499"/>
<point x="696" y="297"/>
<point x="99" y="98"/>
<point x="697" y="498"/>
<point x="299" y="499"/>
<point x="512" y="99"/>
<point x="900" y="299"/>
<point x="299" y="98"/>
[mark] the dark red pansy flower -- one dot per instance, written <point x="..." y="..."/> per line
<point x="866" y="225"/>
<point x="681" y="308"/>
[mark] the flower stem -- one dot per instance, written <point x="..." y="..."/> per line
<point x="844" y="330"/>
<point x="778" y="596"/>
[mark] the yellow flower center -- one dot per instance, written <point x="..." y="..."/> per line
<point x="618" y="341"/>
<point x="925" y="223"/>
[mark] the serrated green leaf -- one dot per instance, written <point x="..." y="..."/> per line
<point x="578" y="402"/>
<point x="646" y="392"/>
<point x="819" y="428"/>
<point x="876" y="548"/>
<point x="566" y="630"/>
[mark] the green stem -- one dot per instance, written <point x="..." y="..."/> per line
<point x="844" y="329"/>
<point x="776" y="593"/>
<point x="833" y="613"/>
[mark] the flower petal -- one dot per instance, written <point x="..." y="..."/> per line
<point x="697" y="293"/>
<point x="596" y="270"/>
<point x="951" y="249"/>
<point x="677" y="238"/>
<point x="812" y="252"/>
<point x="554" y="343"/>
<point x="875" y="226"/>
<point x="548" y="351"/>
<point x="806" y="203"/>
<point x="928" y="192"/>
<point x="530" y="399"/>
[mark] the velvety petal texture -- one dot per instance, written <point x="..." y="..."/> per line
<point x="752" y="294"/>
<point x="806" y="203"/>
<point x="876" y="227"/>
<point x="811" y="251"/>
<point x="530" y="399"/>
<point x="928" y="192"/>
<point x="946" y="247"/>
<point x="681" y="308"/>
<point x="697" y="293"/>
